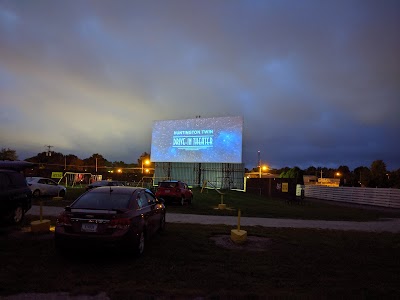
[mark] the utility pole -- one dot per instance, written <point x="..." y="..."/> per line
<point x="48" y="153"/>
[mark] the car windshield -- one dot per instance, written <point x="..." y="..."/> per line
<point x="168" y="184"/>
<point x="103" y="201"/>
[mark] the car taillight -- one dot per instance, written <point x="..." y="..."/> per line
<point x="120" y="223"/>
<point x="63" y="219"/>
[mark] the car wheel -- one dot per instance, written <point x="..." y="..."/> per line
<point x="36" y="193"/>
<point x="61" y="193"/>
<point x="182" y="201"/>
<point x="18" y="214"/>
<point x="141" y="244"/>
<point x="162" y="222"/>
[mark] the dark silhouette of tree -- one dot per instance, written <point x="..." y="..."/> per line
<point x="394" y="179"/>
<point x="143" y="157"/>
<point x="326" y="173"/>
<point x="280" y="171"/>
<point x="8" y="154"/>
<point x="119" y="164"/>
<point x="379" y="174"/>
<point x="95" y="160"/>
<point x="311" y="170"/>
<point x="295" y="172"/>
<point x="40" y="158"/>
<point x="73" y="163"/>
<point x="344" y="175"/>
<point x="362" y="176"/>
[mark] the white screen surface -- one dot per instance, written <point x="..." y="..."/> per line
<point x="217" y="140"/>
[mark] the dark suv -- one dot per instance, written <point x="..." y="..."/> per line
<point x="15" y="196"/>
<point x="174" y="191"/>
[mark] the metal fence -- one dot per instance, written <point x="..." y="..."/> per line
<point x="222" y="175"/>
<point x="369" y="196"/>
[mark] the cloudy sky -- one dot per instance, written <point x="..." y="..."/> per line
<point x="316" y="82"/>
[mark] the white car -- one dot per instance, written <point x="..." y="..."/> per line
<point x="41" y="186"/>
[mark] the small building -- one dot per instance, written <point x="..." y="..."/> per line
<point x="310" y="179"/>
<point x="263" y="175"/>
<point x="332" y="182"/>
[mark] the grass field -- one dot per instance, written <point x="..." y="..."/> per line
<point x="257" y="206"/>
<point x="184" y="263"/>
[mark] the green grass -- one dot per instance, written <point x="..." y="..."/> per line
<point x="261" y="206"/>
<point x="256" y="206"/>
<point x="184" y="263"/>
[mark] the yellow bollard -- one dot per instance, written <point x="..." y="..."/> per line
<point x="238" y="236"/>
<point x="222" y="205"/>
<point x="41" y="226"/>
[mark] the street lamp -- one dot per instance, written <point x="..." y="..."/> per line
<point x="263" y="169"/>
<point x="146" y="162"/>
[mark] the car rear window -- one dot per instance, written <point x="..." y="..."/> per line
<point x="18" y="179"/>
<point x="4" y="181"/>
<point x="103" y="201"/>
<point x="168" y="184"/>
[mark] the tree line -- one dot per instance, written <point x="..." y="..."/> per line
<point x="57" y="161"/>
<point x="376" y="175"/>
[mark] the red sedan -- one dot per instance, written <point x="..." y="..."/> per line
<point x="117" y="216"/>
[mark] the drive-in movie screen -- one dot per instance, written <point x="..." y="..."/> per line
<point x="214" y="140"/>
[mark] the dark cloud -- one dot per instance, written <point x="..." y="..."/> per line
<point x="317" y="82"/>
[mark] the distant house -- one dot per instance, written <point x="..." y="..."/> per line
<point x="263" y="175"/>
<point x="310" y="179"/>
<point x="333" y="182"/>
<point x="313" y="180"/>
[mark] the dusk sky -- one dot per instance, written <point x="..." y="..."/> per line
<point x="316" y="82"/>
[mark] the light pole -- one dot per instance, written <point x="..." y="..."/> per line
<point x="146" y="162"/>
<point x="48" y="153"/>
<point x="263" y="168"/>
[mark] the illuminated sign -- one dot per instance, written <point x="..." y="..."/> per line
<point x="285" y="187"/>
<point x="217" y="140"/>
<point x="57" y="175"/>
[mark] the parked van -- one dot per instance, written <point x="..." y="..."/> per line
<point x="15" y="196"/>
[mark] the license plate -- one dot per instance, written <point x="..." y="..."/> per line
<point x="89" y="227"/>
<point x="167" y="191"/>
